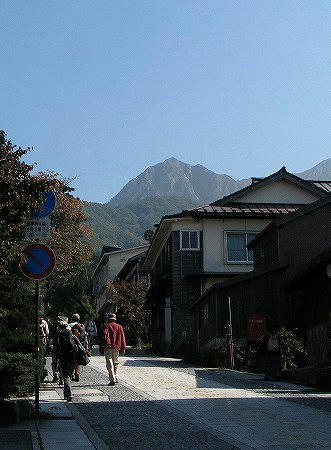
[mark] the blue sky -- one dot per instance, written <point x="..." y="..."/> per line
<point x="103" y="89"/>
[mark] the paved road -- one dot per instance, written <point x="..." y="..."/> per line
<point x="163" y="403"/>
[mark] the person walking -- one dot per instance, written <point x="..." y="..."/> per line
<point x="78" y="330"/>
<point x="43" y="330"/>
<point x="92" y="332"/>
<point x="54" y="339"/>
<point x="270" y="349"/>
<point x="112" y="341"/>
<point x="67" y="356"/>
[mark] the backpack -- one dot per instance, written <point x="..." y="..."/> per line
<point x="81" y="353"/>
<point x="82" y="333"/>
<point x="66" y="344"/>
<point x="273" y="344"/>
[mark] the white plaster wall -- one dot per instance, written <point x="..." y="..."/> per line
<point x="188" y="224"/>
<point x="279" y="192"/>
<point x="114" y="264"/>
<point x="213" y="242"/>
<point x="117" y="260"/>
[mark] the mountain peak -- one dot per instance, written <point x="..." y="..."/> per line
<point x="174" y="177"/>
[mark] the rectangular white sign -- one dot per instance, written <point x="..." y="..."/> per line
<point x="38" y="229"/>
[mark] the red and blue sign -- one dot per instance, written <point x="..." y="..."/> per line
<point x="48" y="206"/>
<point x="40" y="261"/>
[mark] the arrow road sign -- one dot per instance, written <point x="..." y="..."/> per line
<point x="47" y="207"/>
<point x="40" y="261"/>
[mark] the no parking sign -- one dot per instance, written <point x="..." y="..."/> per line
<point x="40" y="261"/>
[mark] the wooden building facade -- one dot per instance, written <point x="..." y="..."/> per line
<point x="290" y="285"/>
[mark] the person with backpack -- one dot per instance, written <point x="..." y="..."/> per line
<point x="54" y="331"/>
<point x="271" y="351"/>
<point x="67" y="356"/>
<point x="78" y="330"/>
<point x="91" y="330"/>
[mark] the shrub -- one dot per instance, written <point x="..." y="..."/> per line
<point x="16" y="374"/>
<point x="292" y="349"/>
<point x="247" y="359"/>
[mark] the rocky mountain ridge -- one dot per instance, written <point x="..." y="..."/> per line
<point x="165" y="188"/>
<point x="174" y="177"/>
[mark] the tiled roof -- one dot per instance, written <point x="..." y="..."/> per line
<point x="325" y="185"/>
<point x="250" y="209"/>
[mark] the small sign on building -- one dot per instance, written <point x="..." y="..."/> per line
<point x="38" y="229"/>
<point x="256" y="327"/>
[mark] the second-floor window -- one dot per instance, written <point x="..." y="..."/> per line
<point x="189" y="240"/>
<point x="236" y="246"/>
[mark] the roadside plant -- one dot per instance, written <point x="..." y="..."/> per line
<point x="292" y="349"/>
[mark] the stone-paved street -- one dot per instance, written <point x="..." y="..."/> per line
<point x="125" y="419"/>
<point x="165" y="403"/>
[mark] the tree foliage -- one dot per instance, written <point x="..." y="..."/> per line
<point x="20" y="193"/>
<point x="65" y="288"/>
<point x="129" y="297"/>
<point x="148" y="235"/>
<point x="125" y="225"/>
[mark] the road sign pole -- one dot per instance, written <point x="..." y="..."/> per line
<point x="37" y="382"/>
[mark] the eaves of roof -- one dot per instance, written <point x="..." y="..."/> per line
<point x="105" y="257"/>
<point x="322" y="259"/>
<point x="282" y="174"/>
<point x="211" y="274"/>
<point x="281" y="221"/>
<point x="129" y="264"/>
<point x="234" y="210"/>
<point x="157" y="242"/>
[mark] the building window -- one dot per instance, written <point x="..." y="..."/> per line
<point x="189" y="240"/>
<point x="236" y="247"/>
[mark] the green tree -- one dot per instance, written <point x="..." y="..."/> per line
<point x="129" y="298"/>
<point x="65" y="289"/>
<point x="21" y="193"/>
<point x="148" y="235"/>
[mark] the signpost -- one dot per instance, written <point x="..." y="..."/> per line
<point x="40" y="261"/>
<point x="38" y="229"/>
<point x="47" y="207"/>
<point x="39" y="264"/>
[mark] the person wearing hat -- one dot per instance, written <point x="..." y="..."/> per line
<point x="67" y="356"/>
<point x="54" y="336"/>
<point x="112" y="340"/>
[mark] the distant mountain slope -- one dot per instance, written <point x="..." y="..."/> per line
<point x="321" y="171"/>
<point x="124" y="226"/>
<point x="165" y="188"/>
<point x="173" y="177"/>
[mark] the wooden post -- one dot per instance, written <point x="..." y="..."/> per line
<point x="230" y="338"/>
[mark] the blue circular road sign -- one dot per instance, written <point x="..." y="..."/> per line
<point x="47" y="207"/>
<point x="40" y="261"/>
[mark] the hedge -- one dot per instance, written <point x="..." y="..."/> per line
<point x="17" y="373"/>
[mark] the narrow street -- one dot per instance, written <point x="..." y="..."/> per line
<point x="164" y="403"/>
